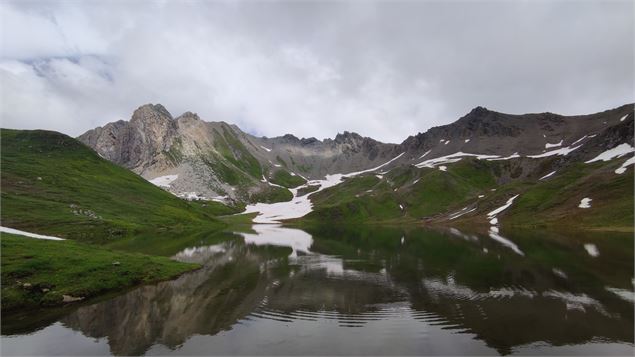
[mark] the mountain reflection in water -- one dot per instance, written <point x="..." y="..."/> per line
<point x="356" y="290"/>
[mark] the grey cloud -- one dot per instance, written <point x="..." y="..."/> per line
<point x="383" y="69"/>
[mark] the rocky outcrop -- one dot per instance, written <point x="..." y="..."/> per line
<point x="138" y="144"/>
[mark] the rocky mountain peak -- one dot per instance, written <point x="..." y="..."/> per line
<point x="189" y="115"/>
<point x="347" y="137"/>
<point x="479" y="111"/>
<point x="150" y="113"/>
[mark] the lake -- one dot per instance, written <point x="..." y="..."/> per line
<point x="269" y="290"/>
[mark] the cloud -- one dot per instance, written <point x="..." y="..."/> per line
<point x="384" y="69"/>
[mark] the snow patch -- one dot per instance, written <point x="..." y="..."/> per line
<point x="559" y="273"/>
<point x="549" y="145"/>
<point x="443" y="168"/>
<point x="467" y="140"/>
<point x="512" y="156"/>
<point x="266" y="149"/>
<point x="547" y="175"/>
<point x="27" y="234"/>
<point x="615" y="152"/>
<point x="623" y="293"/>
<point x="585" y="203"/>
<point x="592" y="249"/>
<point x="192" y="196"/>
<point x="622" y="169"/>
<point x="577" y="141"/>
<point x="502" y="208"/>
<point x="426" y="153"/>
<point x="462" y="212"/>
<point x="623" y="118"/>
<point x="164" y="181"/>
<point x="562" y="152"/>
<point x="448" y="159"/>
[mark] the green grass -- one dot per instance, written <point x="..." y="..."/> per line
<point x="555" y="201"/>
<point x="284" y="178"/>
<point x="272" y="194"/>
<point x="232" y="150"/>
<point x="53" y="184"/>
<point x="422" y="192"/>
<point x="430" y="195"/>
<point x="57" y="268"/>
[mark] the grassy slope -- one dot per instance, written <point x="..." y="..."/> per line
<point x="431" y="194"/>
<point x="53" y="184"/>
<point x="72" y="268"/>
<point x="555" y="201"/>
<point x="422" y="193"/>
<point x="236" y="166"/>
<point x="284" y="178"/>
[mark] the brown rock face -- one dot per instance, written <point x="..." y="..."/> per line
<point x="139" y="143"/>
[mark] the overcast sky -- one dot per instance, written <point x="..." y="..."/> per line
<point x="384" y="69"/>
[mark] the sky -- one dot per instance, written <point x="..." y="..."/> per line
<point x="383" y="69"/>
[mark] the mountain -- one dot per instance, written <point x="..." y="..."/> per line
<point x="218" y="160"/>
<point x="53" y="184"/>
<point x="429" y="177"/>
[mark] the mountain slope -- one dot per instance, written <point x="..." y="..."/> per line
<point x="54" y="184"/>
<point x="467" y="191"/>
<point x="429" y="177"/>
<point x="218" y="160"/>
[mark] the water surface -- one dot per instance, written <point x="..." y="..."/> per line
<point x="357" y="291"/>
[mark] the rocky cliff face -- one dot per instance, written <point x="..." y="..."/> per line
<point x="194" y="158"/>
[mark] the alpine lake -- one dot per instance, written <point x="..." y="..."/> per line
<point x="357" y="290"/>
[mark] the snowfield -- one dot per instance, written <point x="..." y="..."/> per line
<point x="27" y="234"/>
<point x="272" y="213"/>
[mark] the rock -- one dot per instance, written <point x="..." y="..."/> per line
<point x="116" y="263"/>
<point x="45" y="290"/>
<point x="27" y="286"/>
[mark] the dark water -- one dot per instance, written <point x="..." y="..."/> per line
<point x="359" y="291"/>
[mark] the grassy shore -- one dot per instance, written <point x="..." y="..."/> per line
<point x="39" y="272"/>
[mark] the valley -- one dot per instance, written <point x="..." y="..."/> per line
<point x="286" y="230"/>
